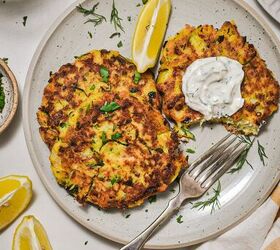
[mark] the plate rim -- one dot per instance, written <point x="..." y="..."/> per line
<point x="44" y="179"/>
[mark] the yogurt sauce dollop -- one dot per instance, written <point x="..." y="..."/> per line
<point x="212" y="86"/>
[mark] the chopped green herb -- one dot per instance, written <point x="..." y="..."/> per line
<point x="179" y="219"/>
<point x="104" y="138"/>
<point x="129" y="18"/>
<point x="172" y="190"/>
<point x="2" y="94"/>
<point x="120" y="44"/>
<point x="212" y="201"/>
<point x="116" y="136"/>
<point x="242" y="159"/>
<point x="118" y="34"/>
<point x="144" y="1"/>
<point x="188" y="133"/>
<point x="104" y="74"/>
<point x="138" y="5"/>
<point x="190" y="150"/>
<point x="152" y="199"/>
<point x="110" y="107"/>
<point x="115" y="19"/>
<point x="115" y="179"/>
<point x="127" y="216"/>
<point x="24" y="20"/>
<point x="92" y="87"/>
<point x="100" y="163"/>
<point x="90" y="34"/>
<point x="63" y="125"/>
<point x="261" y="152"/>
<point x="88" y="108"/>
<point x="137" y="77"/>
<point x="97" y="18"/>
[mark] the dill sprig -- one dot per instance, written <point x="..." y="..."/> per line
<point x="97" y="18"/>
<point x="261" y="153"/>
<point x="242" y="159"/>
<point x="115" y="19"/>
<point x="212" y="201"/>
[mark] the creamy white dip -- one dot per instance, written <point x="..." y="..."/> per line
<point x="212" y="86"/>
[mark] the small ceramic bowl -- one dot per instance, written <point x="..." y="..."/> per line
<point x="9" y="84"/>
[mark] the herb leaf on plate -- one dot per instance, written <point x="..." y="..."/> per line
<point x="115" y="19"/>
<point x="96" y="18"/>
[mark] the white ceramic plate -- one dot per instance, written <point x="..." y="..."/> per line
<point x="272" y="7"/>
<point x="241" y="193"/>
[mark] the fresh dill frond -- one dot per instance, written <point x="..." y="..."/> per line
<point x="261" y="152"/>
<point x="242" y="159"/>
<point x="96" y="18"/>
<point x="115" y="19"/>
<point x="212" y="201"/>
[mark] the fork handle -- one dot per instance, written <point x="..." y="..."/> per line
<point x="137" y="243"/>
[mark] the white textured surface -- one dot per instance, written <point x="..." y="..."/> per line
<point x="18" y="43"/>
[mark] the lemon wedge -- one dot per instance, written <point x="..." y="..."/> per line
<point x="30" y="235"/>
<point x="15" y="195"/>
<point x="149" y="33"/>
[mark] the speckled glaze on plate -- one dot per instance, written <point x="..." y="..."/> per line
<point x="241" y="193"/>
<point x="11" y="96"/>
<point x="272" y="7"/>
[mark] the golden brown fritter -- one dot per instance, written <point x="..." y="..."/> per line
<point x="109" y="143"/>
<point x="259" y="89"/>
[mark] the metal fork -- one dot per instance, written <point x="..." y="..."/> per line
<point x="195" y="181"/>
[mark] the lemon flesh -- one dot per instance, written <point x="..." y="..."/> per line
<point x="149" y="33"/>
<point x="15" y="195"/>
<point x="30" y="235"/>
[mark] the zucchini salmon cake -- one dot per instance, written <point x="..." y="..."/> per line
<point x="110" y="145"/>
<point x="259" y="89"/>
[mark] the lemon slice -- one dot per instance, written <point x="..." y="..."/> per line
<point x="15" y="195"/>
<point x="149" y="33"/>
<point x="30" y="235"/>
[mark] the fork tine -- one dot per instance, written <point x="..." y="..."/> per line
<point x="208" y="153"/>
<point x="225" y="167"/>
<point x="220" y="161"/>
<point x="215" y="155"/>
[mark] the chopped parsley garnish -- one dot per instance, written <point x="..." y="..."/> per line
<point x="127" y="216"/>
<point x="138" y="5"/>
<point x="104" y="74"/>
<point x="190" y="150"/>
<point x="212" y="201"/>
<point x="116" y="136"/>
<point x="2" y="94"/>
<point x="115" y="19"/>
<point x="152" y="199"/>
<point x="92" y="87"/>
<point x="104" y="138"/>
<point x="110" y="107"/>
<point x="96" y="18"/>
<point x="261" y="152"/>
<point x="90" y="34"/>
<point x="187" y="133"/>
<point x="129" y="18"/>
<point x="179" y="219"/>
<point x="120" y="44"/>
<point x="118" y="34"/>
<point x="100" y="163"/>
<point x="24" y="20"/>
<point x="115" y="179"/>
<point x="144" y="1"/>
<point x="137" y="77"/>
<point x="63" y="125"/>
<point x="242" y="159"/>
<point x="73" y="189"/>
